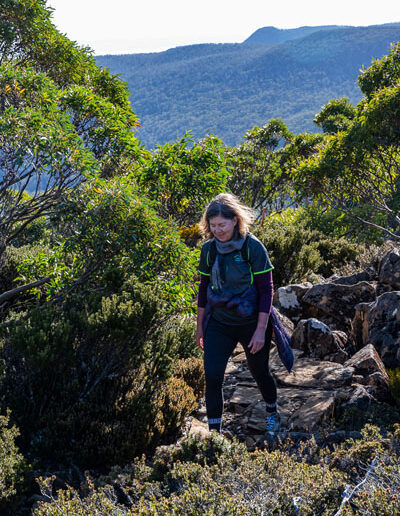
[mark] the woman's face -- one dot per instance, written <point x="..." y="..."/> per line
<point x="223" y="228"/>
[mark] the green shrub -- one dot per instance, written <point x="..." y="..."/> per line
<point x="12" y="259"/>
<point x="11" y="461"/>
<point x="191" y="370"/>
<point x="98" y="372"/>
<point x="299" y="253"/>
<point x="292" y="249"/>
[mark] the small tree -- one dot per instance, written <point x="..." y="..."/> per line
<point x="257" y="175"/>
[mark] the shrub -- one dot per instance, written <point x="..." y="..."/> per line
<point x="293" y="252"/>
<point x="191" y="370"/>
<point x="11" y="461"/>
<point x="98" y="369"/>
<point x="299" y="253"/>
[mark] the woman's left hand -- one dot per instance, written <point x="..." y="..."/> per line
<point x="257" y="340"/>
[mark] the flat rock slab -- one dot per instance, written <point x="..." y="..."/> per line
<point x="300" y="410"/>
<point x="310" y="373"/>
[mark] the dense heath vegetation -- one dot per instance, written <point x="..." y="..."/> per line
<point x="98" y="252"/>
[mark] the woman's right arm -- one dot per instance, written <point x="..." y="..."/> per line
<point x="201" y="304"/>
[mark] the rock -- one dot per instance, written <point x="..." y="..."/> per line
<point x="244" y="396"/>
<point x="198" y="428"/>
<point x="250" y="443"/>
<point x="389" y="269"/>
<point x="317" y="340"/>
<point x="367" y="361"/>
<point x="338" y="301"/>
<point x="384" y="328"/>
<point x="316" y="374"/>
<point x="369" y="365"/>
<point x="368" y="275"/>
<point x="360" y="327"/>
<point x="317" y="408"/>
<point x="360" y="398"/>
<point x="288" y="299"/>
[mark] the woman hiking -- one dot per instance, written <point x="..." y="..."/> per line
<point x="234" y="304"/>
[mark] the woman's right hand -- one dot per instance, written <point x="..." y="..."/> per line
<point x="200" y="338"/>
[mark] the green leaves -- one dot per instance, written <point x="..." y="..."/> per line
<point x="182" y="179"/>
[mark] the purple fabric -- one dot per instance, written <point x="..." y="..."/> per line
<point x="265" y="288"/>
<point x="282" y="341"/>
<point x="202" y="296"/>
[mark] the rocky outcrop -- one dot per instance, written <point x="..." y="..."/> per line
<point x="389" y="270"/>
<point x="317" y="340"/>
<point x="288" y="300"/>
<point x="338" y="301"/>
<point x="368" y="275"/>
<point x="384" y="328"/>
<point x="370" y="370"/>
<point x="343" y="337"/>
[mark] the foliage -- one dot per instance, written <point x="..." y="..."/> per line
<point x="299" y="253"/>
<point x="257" y="176"/>
<point x="12" y="463"/>
<point x="357" y="171"/>
<point x="183" y="179"/>
<point x="382" y="73"/>
<point x="99" y="372"/>
<point x="192" y="372"/>
<point x="215" y="476"/>
<point x="335" y="116"/>
<point x="104" y="232"/>
<point x="39" y="148"/>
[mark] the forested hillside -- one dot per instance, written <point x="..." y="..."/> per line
<point x="224" y="89"/>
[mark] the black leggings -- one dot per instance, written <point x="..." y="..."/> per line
<point x="219" y="342"/>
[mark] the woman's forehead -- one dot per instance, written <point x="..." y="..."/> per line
<point x="219" y="220"/>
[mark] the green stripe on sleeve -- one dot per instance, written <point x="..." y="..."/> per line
<point x="204" y="273"/>
<point x="266" y="270"/>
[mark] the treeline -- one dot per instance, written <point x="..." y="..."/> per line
<point x="99" y="249"/>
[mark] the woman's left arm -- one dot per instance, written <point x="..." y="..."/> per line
<point x="265" y="288"/>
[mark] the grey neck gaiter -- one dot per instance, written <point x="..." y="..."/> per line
<point x="224" y="248"/>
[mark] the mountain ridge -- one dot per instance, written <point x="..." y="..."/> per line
<point x="227" y="88"/>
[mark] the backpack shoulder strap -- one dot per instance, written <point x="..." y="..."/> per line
<point x="212" y="252"/>
<point x="245" y="250"/>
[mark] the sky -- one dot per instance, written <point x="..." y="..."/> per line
<point x="133" y="26"/>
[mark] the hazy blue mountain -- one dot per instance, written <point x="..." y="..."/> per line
<point x="225" y="89"/>
<point x="274" y="35"/>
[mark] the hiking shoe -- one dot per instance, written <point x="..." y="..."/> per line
<point x="273" y="423"/>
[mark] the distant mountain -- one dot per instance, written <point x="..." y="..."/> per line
<point x="226" y="89"/>
<point x="272" y="35"/>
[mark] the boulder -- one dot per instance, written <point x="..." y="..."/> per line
<point x="368" y="364"/>
<point x="317" y="340"/>
<point x="288" y="299"/>
<point x="360" y="398"/>
<point x="360" y="329"/>
<point x="384" y="328"/>
<point x="368" y="274"/>
<point x="389" y="269"/>
<point x="338" y="301"/>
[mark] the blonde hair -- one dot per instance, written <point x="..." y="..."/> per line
<point x="228" y="206"/>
